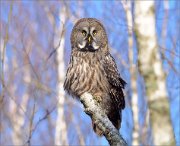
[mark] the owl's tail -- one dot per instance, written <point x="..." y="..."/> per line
<point x="115" y="119"/>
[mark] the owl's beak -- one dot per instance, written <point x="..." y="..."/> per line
<point x="89" y="39"/>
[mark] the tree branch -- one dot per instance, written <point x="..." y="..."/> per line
<point x="101" y="120"/>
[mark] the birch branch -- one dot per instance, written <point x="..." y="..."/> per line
<point x="101" y="120"/>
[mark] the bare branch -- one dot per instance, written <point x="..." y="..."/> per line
<point x="2" y="51"/>
<point x="32" y="130"/>
<point x="31" y="125"/>
<point x="101" y="120"/>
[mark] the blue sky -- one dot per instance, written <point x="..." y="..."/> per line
<point x="112" y="16"/>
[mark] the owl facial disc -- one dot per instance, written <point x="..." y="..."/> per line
<point x="95" y="46"/>
<point x="89" y="41"/>
<point x="83" y="45"/>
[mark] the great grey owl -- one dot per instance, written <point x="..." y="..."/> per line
<point x="92" y="69"/>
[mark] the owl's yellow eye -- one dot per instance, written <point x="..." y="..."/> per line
<point x="94" y="32"/>
<point x="84" y="33"/>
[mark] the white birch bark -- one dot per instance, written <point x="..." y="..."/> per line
<point x="151" y="69"/>
<point x="18" y="136"/>
<point x="17" y="112"/>
<point x="16" y="124"/>
<point x="101" y="120"/>
<point x="13" y="109"/>
<point x="61" y="129"/>
<point x="133" y="72"/>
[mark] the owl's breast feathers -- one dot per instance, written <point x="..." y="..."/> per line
<point x="90" y="72"/>
<point x="85" y="74"/>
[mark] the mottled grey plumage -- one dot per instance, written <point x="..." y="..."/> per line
<point x="92" y="69"/>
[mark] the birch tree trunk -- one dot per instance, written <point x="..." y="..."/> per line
<point x="17" y="110"/>
<point x="61" y="129"/>
<point x="151" y="69"/>
<point x="19" y="113"/>
<point x="13" y="109"/>
<point x="133" y="72"/>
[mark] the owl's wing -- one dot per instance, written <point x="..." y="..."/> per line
<point x="116" y="82"/>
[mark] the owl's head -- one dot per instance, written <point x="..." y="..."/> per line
<point x="88" y="34"/>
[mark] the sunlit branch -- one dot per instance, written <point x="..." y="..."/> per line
<point x="101" y="120"/>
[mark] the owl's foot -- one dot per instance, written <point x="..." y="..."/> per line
<point x="98" y="99"/>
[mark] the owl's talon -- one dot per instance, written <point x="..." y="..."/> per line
<point x="98" y="99"/>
